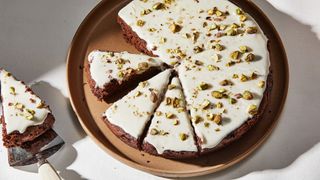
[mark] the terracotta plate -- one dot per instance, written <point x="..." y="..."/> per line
<point x="100" y="31"/>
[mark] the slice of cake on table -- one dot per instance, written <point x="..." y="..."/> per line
<point x="128" y="117"/>
<point x="170" y="133"/>
<point x="176" y="29"/>
<point x="24" y="115"/>
<point x="225" y="99"/>
<point x="108" y="72"/>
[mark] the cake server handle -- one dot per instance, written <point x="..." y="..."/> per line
<point x="46" y="171"/>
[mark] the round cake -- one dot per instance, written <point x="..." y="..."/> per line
<point x="202" y="82"/>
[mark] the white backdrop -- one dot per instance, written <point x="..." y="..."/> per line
<point x="34" y="38"/>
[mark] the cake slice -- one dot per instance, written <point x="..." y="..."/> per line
<point x="24" y="115"/>
<point x="170" y="133"/>
<point x="224" y="101"/>
<point x="128" y="117"/>
<point x="108" y="72"/>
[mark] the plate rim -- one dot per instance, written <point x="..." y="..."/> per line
<point x="166" y="173"/>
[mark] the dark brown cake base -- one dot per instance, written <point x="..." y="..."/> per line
<point x="107" y="93"/>
<point x="31" y="133"/>
<point x="122" y="135"/>
<point x="131" y="37"/>
<point x="147" y="147"/>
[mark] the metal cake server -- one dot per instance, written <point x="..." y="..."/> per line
<point x="38" y="151"/>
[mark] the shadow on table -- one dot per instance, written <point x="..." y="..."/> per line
<point x="302" y="132"/>
<point x="66" y="125"/>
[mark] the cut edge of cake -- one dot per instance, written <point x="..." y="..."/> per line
<point x="26" y="111"/>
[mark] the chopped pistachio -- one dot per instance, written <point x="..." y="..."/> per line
<point x="138" y="93"/>
<point x="197" y="49"/>
<point x="253" y="109"/>
<point x="158" y="113"/>
<point x="230" y="63"/>
<point x="154" y="131"/>
<point x="19" y="106"/>
<point x="219" y="13"/>
<point x="176" y="102"/>
<point x="219" y="105"/>
<point x="206" y="124"/>
<point x="225" y="82"/>
<point x="140" y="23"/>
<point x="120" y="74"/>
<point x="213" y="27"/>
<point x="235" y="54"/>
<point x="217" y="129"/>
<point x="217" y="94"/>
<point x="247" y="95"/>
<point x="169" y="115"/>
<point x="253" y="76"/>
<point x="163" y="40"/>
<point x="175" y="28"/>
<point x="168" y="1"/>
<point x="235" y="76"/>
<point x="243" y="18"/>
<point x="243" y="78"/>
<point x="210" y="116"/>
<point x="176" y="122"/>
<point x="250" y="57"/>
<point x="232" y="101"/>
<point x="243" y="49"/>
<point x="239" y="11"/>
<point x="203" y="86"/>
<point x="218" y="47"/>
<point x="197" y="119"/>
<point x="217" y="119"/>
<point x="145" y="12"/>
<point x="211" y="12"/>
<point x="158" y="6"/>
<point x="199" y="63"/>
<point x="261" y="84"/>
<point x="205" y="104"/>
<point x="29" y="117"/>
<point x="30" y="111"/>
<point x="212" y="68"/>
<point x="252" y="30"/>
<point x="232" y="32"/>
<point x="222" y="90"/>
<point x="181" y="109"/>
<point x="41" y="105"/>
<point x="152" y="30"/>
<point x="163" y="133"/>
<point x="183" y="136"/>
<point x="12" y="90"/>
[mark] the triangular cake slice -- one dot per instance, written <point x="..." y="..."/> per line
<point x="170" y="133"/>
<point x="128" y="117"/>
<point x="108" y="71"/>
<point x="24" y="115"/>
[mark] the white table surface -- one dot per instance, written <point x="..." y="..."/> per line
<point x="34" y="39"/>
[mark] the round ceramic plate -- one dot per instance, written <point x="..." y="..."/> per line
<point x="100" y="31"/>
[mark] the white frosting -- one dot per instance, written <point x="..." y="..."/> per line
<point x="14" y="95"/>
<point x="173" y="128"/>
<point x="104" y="66"/>
<point x="133" y="111"/>
<point x="190" y="15"/>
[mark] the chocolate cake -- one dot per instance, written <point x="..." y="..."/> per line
<point x="24" y="115"/>
<point x="219" y="54"/>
